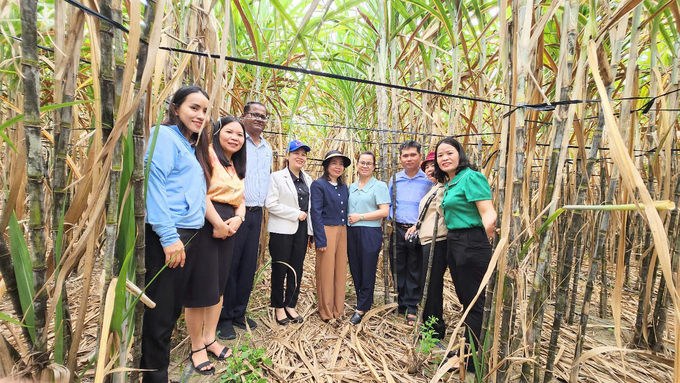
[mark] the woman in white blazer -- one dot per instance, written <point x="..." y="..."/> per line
<point x="289" y="227"/>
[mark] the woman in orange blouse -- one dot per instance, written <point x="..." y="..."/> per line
<point x="225" y="212"/>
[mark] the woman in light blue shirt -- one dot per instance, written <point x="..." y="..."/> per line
<point x="179" y="172"/>
<point x="369" y="202"/>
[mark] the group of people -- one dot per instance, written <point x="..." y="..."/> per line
<point x="207" y="188"/>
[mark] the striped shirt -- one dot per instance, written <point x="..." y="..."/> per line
<point x="258" y="167"/>
<point x="409" y="193"/>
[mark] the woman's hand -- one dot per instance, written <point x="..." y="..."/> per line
<point x="411" y="230"/>
<point x="302" y="216"/>
<point x="234" y="223"/>
<point x="221" y="231"/>
<point x="310" y="242"/>
<point x="488" y="215"/>
<point x="322" y="248"/>
<point x="174" y="254"/>
<point x="354" y="218"/>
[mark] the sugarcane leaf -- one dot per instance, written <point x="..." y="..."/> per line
<point x="8" y="141"/>
<point x="7" y="318"/>
<point x="58" y="318"/>
<point x="19" y="117"/>
<point x="119" y="303"/>
<point x="23" y="272"/>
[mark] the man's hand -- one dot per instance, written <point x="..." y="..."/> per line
<point x="174" y="254"/>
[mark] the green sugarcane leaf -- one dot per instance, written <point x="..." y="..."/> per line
<point x="23" y="273"/>
<point x="119" y="302"/>
<point x="59" y="315"/>
<point x="7" y="318"/>
<point x="8" y="141"/>
<point x="19" y="117"/>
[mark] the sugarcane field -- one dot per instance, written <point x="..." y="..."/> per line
<point x="339" y="191"/>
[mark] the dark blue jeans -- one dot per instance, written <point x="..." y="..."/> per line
<point x="363" y="249"/>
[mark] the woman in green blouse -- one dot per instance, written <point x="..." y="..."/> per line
<point x="471" y="219"/>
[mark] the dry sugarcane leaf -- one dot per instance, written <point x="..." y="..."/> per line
<point x="100" y="372"/>
<point x="633" y="181"/>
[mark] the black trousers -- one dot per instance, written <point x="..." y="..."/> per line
<point x="363" y="249"/>
<point x="434" y="304"/>
<point x="168" y="290"/>
<point x="288" y="255"/>
<point x="243" y="267"/>
<point x="409" y="266"/>
<point x="469" y="251"/>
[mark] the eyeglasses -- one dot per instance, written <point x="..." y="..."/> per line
<point x="258" y="116"/>
<point x="366" y="164"/>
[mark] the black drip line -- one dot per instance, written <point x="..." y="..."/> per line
<point x="385" y="130"/>
<point x="545" y="106"/>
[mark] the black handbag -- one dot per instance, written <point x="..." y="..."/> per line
<point x="413" y="241"/>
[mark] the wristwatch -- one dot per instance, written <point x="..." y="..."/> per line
<point x="243" y="218"/>
<point x="361" y="217"/>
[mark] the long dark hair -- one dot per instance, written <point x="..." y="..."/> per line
<point x="327" y="176"/>
<point x="238" y="159"/>
<point x="463" y="160"/>
<point x="202" y="145"/>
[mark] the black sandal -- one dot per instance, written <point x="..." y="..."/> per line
<point x="222" y="355"/>
<point x="199" y="368"/>
<point x="451" y="355"/>
<point x="411" y="320"/>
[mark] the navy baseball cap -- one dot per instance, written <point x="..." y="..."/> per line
<point x="297" y="144"/>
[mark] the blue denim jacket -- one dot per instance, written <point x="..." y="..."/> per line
<point x="176" y="190"/>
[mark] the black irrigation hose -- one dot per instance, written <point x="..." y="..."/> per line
<point x="538" y="107"/>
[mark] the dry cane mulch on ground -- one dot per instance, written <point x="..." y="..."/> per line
<point x="381" y="349"/>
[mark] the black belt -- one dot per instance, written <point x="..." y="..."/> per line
<point x="404" y="225"/>
<point x="254" y="208"/>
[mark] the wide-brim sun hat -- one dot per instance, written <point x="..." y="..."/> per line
<point x="336" y="153"/>
<point x="430" y="157"/>
<point x="297" y="144"/>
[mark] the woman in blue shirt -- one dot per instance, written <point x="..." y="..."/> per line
<point x="329" y="221"/>
<point x="179" y="171"/>
<point x="369" y="203"/>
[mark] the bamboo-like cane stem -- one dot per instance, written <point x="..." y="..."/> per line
<point x="30" y="70"/>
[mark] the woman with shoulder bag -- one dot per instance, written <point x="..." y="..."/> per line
<point x="424" y="231"/>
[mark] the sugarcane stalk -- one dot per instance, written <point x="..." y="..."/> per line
<point x="30" y="70"/>
<point x="536" y="306"/>
<point x="640" y="337"/>
<point x="523" y="9"/>
<point x="662" y="301"/>
<point x="382" y="123"/>
<point x="573" y="246"/>
<point x="594" y="269"/>
<point x="423" y="299"/>
<point x="603" y="256"/>
<point x="139" y="148"/>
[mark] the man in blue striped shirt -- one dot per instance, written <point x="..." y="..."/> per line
<point x="247" y="238"/>
<point x="412" y="184"/>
